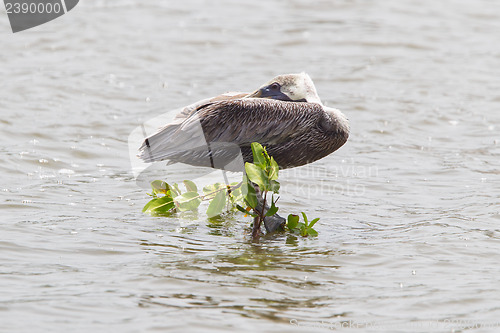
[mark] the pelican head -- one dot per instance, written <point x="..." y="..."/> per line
<point x="289" y="87"/>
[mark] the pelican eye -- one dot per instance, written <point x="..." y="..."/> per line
<point x="274" y="86"/>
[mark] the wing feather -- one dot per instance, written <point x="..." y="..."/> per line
<point x="294" y="132"/>
<point x="244" y="121"/>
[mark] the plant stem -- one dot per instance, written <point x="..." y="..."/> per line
<point x="258" y="220"/>
<point x="228" y="188"/>
<point x="256" y="227"/>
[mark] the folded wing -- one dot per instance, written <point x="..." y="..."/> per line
<point x="214" y="133"/>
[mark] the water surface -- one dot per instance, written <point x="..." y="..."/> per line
<point x="408" y="237"/>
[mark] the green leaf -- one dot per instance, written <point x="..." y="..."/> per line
<point x="190" y="186"/>
<point x="274" y="186"/>
<point x="305" y="218"/>
<point x="210" y="189"/>
<point x="313" y="222"/>
<point x="273" y="209"/>
<point x="217" y="204"/>
<point x="175" y="190"/>
<point x="159" y="186"/>
<point x="146" y="206"/>
<point x="292" y="221"/>
<point x="236" y="194"/>
<point x="303" y="229"/>
<point x="273" y="174"/>
<point x="258" y="154"/>
<point x="257" y="175"/>
<point x="187" y="196"/>
<point x="163" y="204"/>
<point x="251" y="195"/>
<point x="311" y="232"/>
<point x="188" y="201"/>
<point x="241" y="209"/>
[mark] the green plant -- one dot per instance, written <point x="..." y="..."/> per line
<point x="168" y="199"/>
<point x="303" y="228"/>
<point x="261" y="176"/>
<point x="263" y="172"/>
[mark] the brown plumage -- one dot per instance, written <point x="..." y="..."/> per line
<point x="213" y="132"/>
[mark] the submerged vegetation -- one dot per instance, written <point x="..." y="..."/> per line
<point x="250" y="196"/>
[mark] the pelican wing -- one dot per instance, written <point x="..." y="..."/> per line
<point x="183" y="131"/>
<point x="266" y="121"/>
<point x="295" y="133"/>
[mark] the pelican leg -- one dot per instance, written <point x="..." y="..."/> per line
<point x="271" y="223"/>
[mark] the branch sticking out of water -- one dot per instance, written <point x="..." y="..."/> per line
<point x="260" y="180"/>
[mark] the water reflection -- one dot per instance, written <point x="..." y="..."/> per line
<point x="272" y="279"/>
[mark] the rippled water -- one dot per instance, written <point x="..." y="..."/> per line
<point x="408" y="237"/>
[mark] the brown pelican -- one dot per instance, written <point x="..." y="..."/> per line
<point x="285" y="115"/>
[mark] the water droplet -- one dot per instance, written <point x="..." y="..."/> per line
<point x="148" y="99"/>
<point x="413" y="272"/>
<point x="453" y="122"/>
<point x="400" y="285"/>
